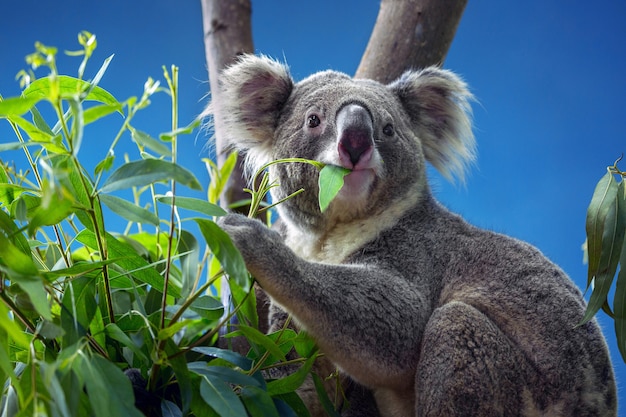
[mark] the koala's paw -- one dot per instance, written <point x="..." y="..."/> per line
<point x="255" y="241"/>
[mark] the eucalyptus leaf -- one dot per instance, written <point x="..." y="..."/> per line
<point x="323" y="397"/>
<point x="208" y="307"/>
<point x="603" y="198"/>
<point x="258" y="338"/>
<point x="17" y="106"/>
<point x="94" y="113"/>
<point x="68" y="87"/>
<point x="128" y="210"/>
<point x="224" y="373"/>
<point x="224" y="250"/>
<point x="258" y="402"/>
<point x="228" y="355"/>
<point x="149" y="171"/>
<point x="330" y="183"/>
<point x="145" y="140"/>
<point x="221" y="397"/>
<point x="110" y="391"/>
<point x="194" y="204"/>
<point x="292" y="382"/>
<point x="78" y="124"/>
<point x="611" y="240"/>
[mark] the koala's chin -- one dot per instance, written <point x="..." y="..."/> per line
<point x="357" y="187"/>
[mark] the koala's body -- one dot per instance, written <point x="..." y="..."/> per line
<point x="432" y="315"/>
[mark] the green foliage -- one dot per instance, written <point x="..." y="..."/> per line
<point x="80" y="304"/>
<point x="605" y="249"/>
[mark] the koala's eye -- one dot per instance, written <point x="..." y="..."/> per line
<point x="388" y="130"/>
<point x="313" y="121"/>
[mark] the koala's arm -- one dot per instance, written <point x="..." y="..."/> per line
<point x="349" y="309"/>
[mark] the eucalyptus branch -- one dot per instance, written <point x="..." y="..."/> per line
<point x="173" y="86"/>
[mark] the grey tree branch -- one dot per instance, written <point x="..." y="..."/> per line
<point x="409" y="34"/>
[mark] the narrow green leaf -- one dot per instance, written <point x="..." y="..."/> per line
<point x="13" y="331"/>
<point x="601" y="202"/>
<point x="17" y="106"/>
<point x="105" y="164"/>
<point x="128" y="210"/>
<point x="172" y="329"/>
<point x="220" y="397"/>
<point x="149" y="171"/>
<point x="222" y="247"/>
<point x="78" y="308"/>
<point x="189" y="249"/>
<point x="105" y="64"/>
<point x="194" y="204"/>
<point x="94" y="113"/>
<point x="258" y="338"/>
<point x="110" y="391"/>
<point x="180" y="131"/>
<point x="208" y="307"/>
<point x="12" y="146"/>
<point x="35" y="133"/>
<point x="619" y="301"/>
<point x="145" y="140"/>
<point x="611" y="248"/>
<point x="68" y="87"/>
<point x="170" y="409"/>
<point x="228" y="355"/>
<point x="226" y="374"/>
<point x="292" y="382"/>
<point x="19" y="265"/>
<point x="96" y="328"/>
<point x="40" y="122"/>
<point x="58" y="401"/>
<point x="54" y="209"/>
<point x="16" y="237"/>
<point x="291" y="405"/>
<point x="38" y="296"/>
<point x="327" y="404"/>
<point x="78" y="124"/>
<point x="258" y="402"/>
<point x="246" y="301"/>
<point x="330" y="183"/>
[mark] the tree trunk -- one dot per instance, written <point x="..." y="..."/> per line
<point x="227" y="34"/>
<point x="409" y="34"/>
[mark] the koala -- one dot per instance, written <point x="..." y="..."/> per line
<point x="431" y="315"/>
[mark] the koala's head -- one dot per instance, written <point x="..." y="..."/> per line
<point x="383" y="133"/>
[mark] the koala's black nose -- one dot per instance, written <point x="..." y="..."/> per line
<point x="355" y="134"/>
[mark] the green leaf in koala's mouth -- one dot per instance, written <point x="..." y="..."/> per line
<point x="330" y="182"/>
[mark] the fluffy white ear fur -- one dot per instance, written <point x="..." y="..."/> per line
<point x="252" y="93"/>
<point x="438" y="103"/>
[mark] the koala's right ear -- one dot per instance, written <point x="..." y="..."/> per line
<point x="252" y="94"/>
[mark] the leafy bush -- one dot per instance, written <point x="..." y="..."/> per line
<point x="81" y="304"/>
<point x="606" y="249"/>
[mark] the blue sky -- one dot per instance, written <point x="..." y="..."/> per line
<point x="550" y="77"/>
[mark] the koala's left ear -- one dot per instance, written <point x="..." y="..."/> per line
<point x="438" y="103"/>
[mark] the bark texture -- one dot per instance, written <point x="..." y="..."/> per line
<point x="227" y="34"/>
<point x="409" y="34"/>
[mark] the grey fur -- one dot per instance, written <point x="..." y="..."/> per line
<point x="436" y="317"/>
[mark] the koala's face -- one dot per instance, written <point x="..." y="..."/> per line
<point x="383" y="133"/>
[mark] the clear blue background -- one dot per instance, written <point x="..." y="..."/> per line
<point x="549" y="77"/>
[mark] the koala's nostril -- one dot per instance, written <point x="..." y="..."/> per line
<point x="355" y="134"/>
